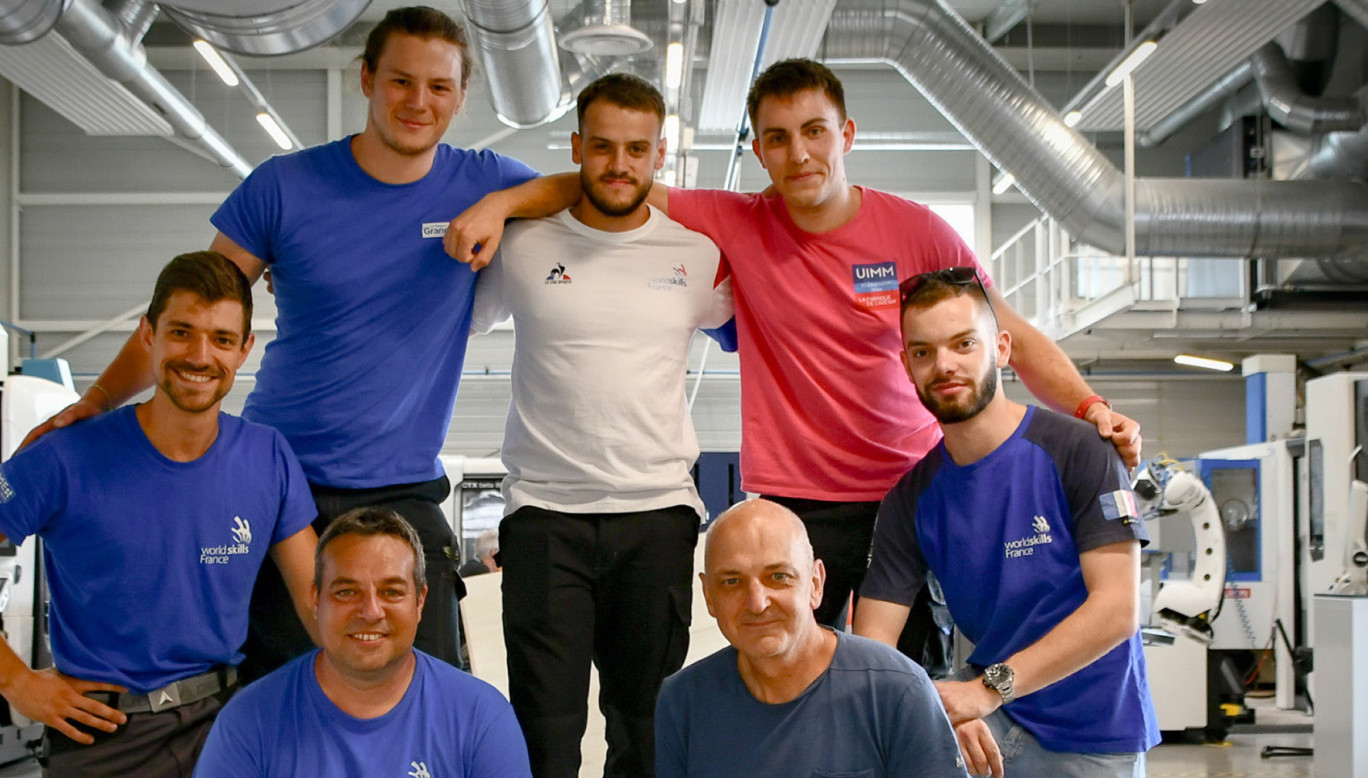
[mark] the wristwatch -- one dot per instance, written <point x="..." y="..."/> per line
<point x="999" y="677"/>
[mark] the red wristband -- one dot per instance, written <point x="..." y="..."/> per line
<point x="1088" y="403"/>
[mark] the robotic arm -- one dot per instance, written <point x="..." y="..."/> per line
<point x="1164" y="488"/>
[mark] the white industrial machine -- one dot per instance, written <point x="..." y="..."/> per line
<point x="25" y="402"/>
<point x="476" y="503"/>
<point x="1190" y="685"/>
<point x="1187" y="606"/>
<point x="1354" y="579"/>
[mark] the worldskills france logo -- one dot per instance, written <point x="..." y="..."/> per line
<point x="240" y="531"/>
<point x="678" y="280"/>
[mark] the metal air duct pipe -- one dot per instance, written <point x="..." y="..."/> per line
<point x="517" y="46"/>
<point x="98" y="36"/>
<point x="300" y="26"/>
<point x="1067" y="177"/>
<point x="22" y="21"/>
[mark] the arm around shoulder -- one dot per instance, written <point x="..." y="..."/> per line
<point x="474" y="235"/>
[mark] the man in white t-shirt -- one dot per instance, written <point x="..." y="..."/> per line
<point x="603" y="518"/>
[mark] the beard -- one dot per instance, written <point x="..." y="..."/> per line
<point x="953" y="412"/>
<point x="191" y="401"/>
<point x="594" y="191"/>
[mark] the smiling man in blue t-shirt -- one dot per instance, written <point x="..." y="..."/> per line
<point x="155" y="520"/>
<point x="1027" y="519"/>
<point x="372" y="315"/>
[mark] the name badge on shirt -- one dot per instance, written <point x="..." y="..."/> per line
<point x="876" y="286"/>
<point x="434" y="229"/>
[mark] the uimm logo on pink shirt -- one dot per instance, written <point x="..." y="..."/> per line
<point x="876" y="286"/>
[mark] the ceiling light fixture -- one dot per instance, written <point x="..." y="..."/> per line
<point x="1005" y="181"/>
<point x="1204" y="362"/>
<point x="1072" y="118"/>
<point x="674" y="65"/>
<point x="216" y="61"/>
<point x="273" y="129"/>
<point x="1131" y="62"/>
<point x="671" y="133"/>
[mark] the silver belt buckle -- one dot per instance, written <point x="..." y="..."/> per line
<point x="166" y="697"/>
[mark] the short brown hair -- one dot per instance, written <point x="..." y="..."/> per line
<point x="422" y="22"/>
<point x="370" y="521"/>
<point x="209" y="276"/>
<point x="931" y="288"/>
<point x="625" y="91"/>
<point x="788" y="78"/>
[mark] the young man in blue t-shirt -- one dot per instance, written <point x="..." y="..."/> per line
<point x="1026" y="518"/>
<point x="372" y="316"/>
<point x="367" y="703"/>
<point x="155" y="520"/>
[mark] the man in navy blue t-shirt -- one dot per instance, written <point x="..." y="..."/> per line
<point x="1027" y="519"/>
<point x="155" y="520"/>
<point x="367" y="703"/>
<point x="789" y="696"/>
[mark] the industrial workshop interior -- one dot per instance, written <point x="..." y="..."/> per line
<point x="1172" y="191"/>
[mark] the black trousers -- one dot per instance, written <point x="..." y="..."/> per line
<point x="274" y="633"/>
<point x="842" y="534"/>
<point x="614" y="588"/>
<point x="149" y="745"/>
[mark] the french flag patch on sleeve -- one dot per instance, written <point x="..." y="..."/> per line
<point x="1120" y="504"/>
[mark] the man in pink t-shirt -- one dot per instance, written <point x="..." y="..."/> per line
<point x="829" y="420"/>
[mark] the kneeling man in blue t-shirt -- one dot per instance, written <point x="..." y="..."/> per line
<point x="367" y="703"/>
<point x="789" y="696"/>
<point x="1027" y="519"/>
<point x="155" y="519"/>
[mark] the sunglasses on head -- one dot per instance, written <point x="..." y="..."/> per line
<point x="955" y="276"/>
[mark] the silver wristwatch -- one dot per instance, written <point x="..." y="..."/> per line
<point x="1000" y="678"/>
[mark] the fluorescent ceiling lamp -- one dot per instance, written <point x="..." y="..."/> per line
<point x="278" y="135"/>
<point x="216" y="61"/>
<point x="1203" y="362"/>
<point x="1072" y="118"/>
<point x="674" y="65"/>
<point x="672" y="133"/>
<point x="1007" y="181"/>
<point x="1131" y="62"/>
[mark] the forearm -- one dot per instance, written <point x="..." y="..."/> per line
<point x="1085" y="636"/>
<point x="540" y="196"/>
<point x="880" y="620"/>
<point x="294" y="558"/>
<point x="129" y="374"/>
<point x="1047" y="371"/>
<point x="12" y="670"/>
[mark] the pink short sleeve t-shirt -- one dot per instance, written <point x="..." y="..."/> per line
<point x="827" y="411"/>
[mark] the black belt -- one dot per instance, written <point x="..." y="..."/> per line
<point x="182" y="692"/>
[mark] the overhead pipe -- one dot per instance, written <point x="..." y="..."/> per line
<point x="97" y="35"/>
<point x="24" y="21"/>
<point x="303" y="25"/>
<point x="516" y="43"/>
<point x="1070" y="179"/>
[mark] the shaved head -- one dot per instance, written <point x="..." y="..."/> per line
<point x="758" y="520"/>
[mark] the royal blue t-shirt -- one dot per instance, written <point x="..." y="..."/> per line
<point x="873" y="714"/>
<point x="448" y="725"/>
<point x="1003" y="536"/>
<point x="372" y="315"/>
<point x="150" y="561"/>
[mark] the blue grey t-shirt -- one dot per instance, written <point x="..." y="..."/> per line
<point x="873" y="714"/>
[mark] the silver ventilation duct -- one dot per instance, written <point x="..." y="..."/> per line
<point x="516" y="43"/>
<point x="98" y="36"/>
<point x="136" y="16"/>
<point x="1311" y="39"/>
<point x="22" y="21"/>
<point x="1067" y="177"/>
<point x="267" y="32"/>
